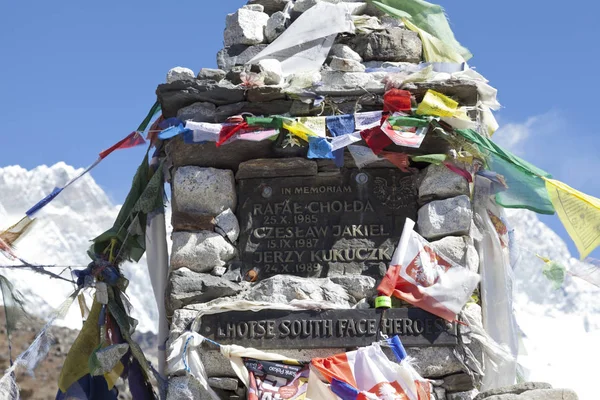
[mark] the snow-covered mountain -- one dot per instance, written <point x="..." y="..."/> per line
<point x="561" y="327"/>
<point x="61" y="236"/>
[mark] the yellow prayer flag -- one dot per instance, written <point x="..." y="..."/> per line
<point x="579" y="213"/>
<point x="437" y="104"/>
<point x="113" y="376"/>
<point x="298" y="129"/>
<point x="315" y="124"/>
<point x="435" y="50"/>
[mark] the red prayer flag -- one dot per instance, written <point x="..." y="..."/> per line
<point x="228" y="131"/>
<point x="460" y="171"/>
<point x="376" y="139"/>
<point x="131" y="140"/>
<point x="400" y="160"/>
<point x="396" y="100"/>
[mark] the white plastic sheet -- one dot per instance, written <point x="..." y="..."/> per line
<point x="158" y="265"/>
<point x="496" y="291"/>
<point x="183" y="358"/>
<point x="304" y="46"/>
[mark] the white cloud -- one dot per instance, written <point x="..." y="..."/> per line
<point x="515" y="136"/>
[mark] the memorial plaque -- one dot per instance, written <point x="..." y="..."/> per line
<point x="316" y="226"/>
<point x="275" y="329"/>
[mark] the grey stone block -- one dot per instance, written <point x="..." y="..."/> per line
<point x="462" y="395"/>
<point x="458" y="383"/>
<point x="180" y="322"/>
<point x="344" y="51"/>
<point x="358" y="286"/>
<point x="228" y="156"/>
<point x="187" y="287"/>
<point x="270" y="6"/>
<point x="285" y="288"/>
<point x="238" y="54"/>
<point x="180" y="74"/>
<point x="392" y="44"/>
<point x="265" y="94"/>
<point x="347" y="84"/>
<point x="346" y="65"/>
<point x="269" y="168"/>
<point x="271" y="71"/>
<point x="549" y="394"/>
<point x="246" y="27"/>
<point x="186" y="388"/>
<point x="211" y="74"/>
<point x="198" y="112"/>
<point x="227" y="225"/>
<point x="445" y="217"/>
<point x="459" y="249"/>
<point x="254" y="7"/>
<point x="439" y="393"/>
<point x="176" y="95"/>
<point x="276" y="25"/>
<point x="276" y="107"/>
<point x="200" y="251"/>
<point x="434" y="362"/>
<point x="204" y="190"/>
<point x="515" y="389"/>
<point x="223" y="383"/>
<point x="301" y="6"/>
<point x="441" y="183"/>
<point x="465" y="92"/>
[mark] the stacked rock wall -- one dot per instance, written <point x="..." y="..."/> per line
<point x="211" y="186"/>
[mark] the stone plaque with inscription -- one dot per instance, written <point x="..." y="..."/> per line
<point x="319" y="226"/>
<point x="274" y="329"/>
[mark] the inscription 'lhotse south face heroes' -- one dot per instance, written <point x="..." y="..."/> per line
<point x="321" y="329"/>
<point x="315" y="226"/>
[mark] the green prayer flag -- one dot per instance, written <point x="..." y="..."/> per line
<point x="526" y="188"/>
<point x="406" y="120"/>
<point x="436" y="159"/>
<point x="270" y="122"/>
<point x="556" y="273"/>
<point x="427" y="17"/>
<point x="153" y="111"/>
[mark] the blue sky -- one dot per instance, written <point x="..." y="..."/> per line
<point x="78" y="76"/>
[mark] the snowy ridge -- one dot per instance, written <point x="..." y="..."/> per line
<point x="561" y="328"/>
<point x="61" y="236"/>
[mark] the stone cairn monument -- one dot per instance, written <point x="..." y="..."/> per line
<point x="258" y="221"/>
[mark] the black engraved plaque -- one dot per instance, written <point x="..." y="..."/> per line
<point x="316" y="226"/>
<point x="274" y="329"/>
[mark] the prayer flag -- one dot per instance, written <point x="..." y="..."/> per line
<point x="400" y="160"/>
<point x="362" y="155"/>
<point x="429" y="18"/>
<point x="315" y="124"/>
<point x="319" y="147"/>
<point x="436" y="159"/>
<point x="366" y="120"/>
<point x="376" y="139"/>
<point x="403" y="135"/>
<point x="340" y="142"/>
<point x="579" y="213"/>
<point x="427" y="279"/>
<point x="437" y="104"/>
<point x="131" y="140"/>
<point x="338" y="126"/>
<point x="298" y="129"/>
<point x="395" y="100"/>
<point x="367" y="373"/>
<point x="171" y="132"/>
